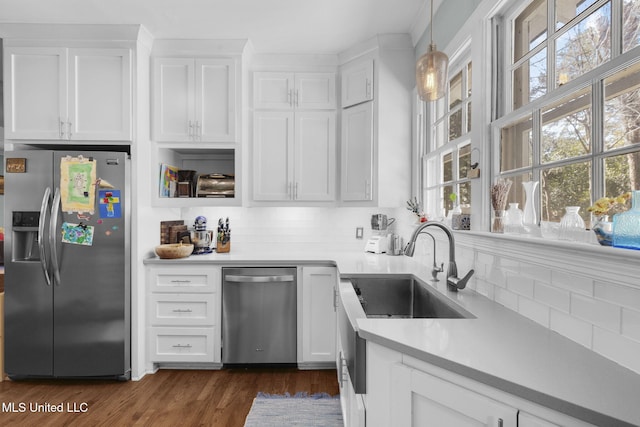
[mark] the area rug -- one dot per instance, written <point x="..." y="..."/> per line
<point x="300" y="409"/>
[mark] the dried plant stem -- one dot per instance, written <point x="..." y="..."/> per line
<point x="499" y="193"/>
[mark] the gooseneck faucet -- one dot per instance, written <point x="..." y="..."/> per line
<point x="453" y="282"/>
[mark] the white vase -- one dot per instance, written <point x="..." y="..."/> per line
<point x="529" y="218"/>
<point x="572" y="225"/>
<point x="513" y="221"/>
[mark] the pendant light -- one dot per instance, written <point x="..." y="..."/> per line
<point x="431" y="70"/>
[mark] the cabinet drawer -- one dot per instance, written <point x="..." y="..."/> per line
<point x="181" y="344"/>
<point x="182" y="309"/>
<point x="190" y="280"/>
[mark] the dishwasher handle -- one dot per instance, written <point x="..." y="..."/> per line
<point x="235" y="278"/>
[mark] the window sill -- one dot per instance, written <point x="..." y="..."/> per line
<point x="598" y="262"/>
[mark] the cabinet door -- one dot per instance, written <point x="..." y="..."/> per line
<point x="99" y="94"/>
<point x="173" y="99"/>
<point x="318" y="314"/>
<point x="315" y="91"/>
<point x="315" y="156"/>
<point x="215" y="98"/>
<point x="357" y="153"/>
<point x="421" y="399"/>
<point x="272" y="155"/>
<point x="35" y="98"/>
<point x="273" y="90"/>
<point x="357" y="83"/>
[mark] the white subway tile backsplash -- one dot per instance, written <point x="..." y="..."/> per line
<point x="572" y="282"/>
<point x="578" y="302"/>
<point x="595" y="311"/>
<point x="572" y="328"/>
<point x="520" y="285"/>
<point x="617" y="347"/>
<point x="485" y="288"/>
<point x="496" y="276"/>
<point x="552" y="296"/>
<point x="631" y="323"/>
<point x="507" y="264"/>
<point x="618" y="294"/>
<point x="533" y="310"/>
<point x="506" y="298"/>
<point x="484" y="259"/>
<point x="535" y="271"/>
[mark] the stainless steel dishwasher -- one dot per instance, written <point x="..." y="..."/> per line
<point x="259" y="316"/>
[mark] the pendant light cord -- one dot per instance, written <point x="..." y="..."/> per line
<point x="431" y="24"/>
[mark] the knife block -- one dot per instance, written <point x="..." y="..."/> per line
<point x="223" y="247"/>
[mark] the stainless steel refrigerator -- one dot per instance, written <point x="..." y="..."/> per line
<point x="67" y="268"/>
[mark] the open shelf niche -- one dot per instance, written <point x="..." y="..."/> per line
<point x="224" y="163"/>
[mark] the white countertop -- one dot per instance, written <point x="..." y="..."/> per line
<point x="499" y="347"/>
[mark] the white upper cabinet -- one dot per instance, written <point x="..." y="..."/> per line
<point x="285" y="91"/>
<point x="357" y="83"/>
<point x="357" y="153"/>
<point x="294" y="156"/>
<point x="54" y="93"/>
<point x="194" y="100"/>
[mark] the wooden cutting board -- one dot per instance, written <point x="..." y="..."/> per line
<point x="164" y="230"/>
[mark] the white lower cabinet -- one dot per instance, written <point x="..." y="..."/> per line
<point x="183" y="314"/>
<point x="318" y="314"/>
<point x="426" y="400"/>
<point x="404" y="391"/>
<point x="353" y="408"/>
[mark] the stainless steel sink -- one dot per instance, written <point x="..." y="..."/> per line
<point x="403" y="297"/>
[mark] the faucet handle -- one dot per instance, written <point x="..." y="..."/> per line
<point x="454" y="283"/>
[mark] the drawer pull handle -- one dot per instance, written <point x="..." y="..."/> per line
<point x="181" y="281"/>
<point x="180" y="310"/>
<point x="182" y="346"/>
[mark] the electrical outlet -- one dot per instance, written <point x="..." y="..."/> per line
<point x="359" y="232"/>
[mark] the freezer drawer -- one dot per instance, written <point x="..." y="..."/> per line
<point x="259" y="316"/>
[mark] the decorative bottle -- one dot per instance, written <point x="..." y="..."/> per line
<point x="572" y="225"/>
<point x="626" y="225"/>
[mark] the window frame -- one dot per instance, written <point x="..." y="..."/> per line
<point x="432" y="184"/>
<point x="592" y="79"/>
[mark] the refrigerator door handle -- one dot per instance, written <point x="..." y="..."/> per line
<point x="41" y="226"/>
<point x="55" y="209"/>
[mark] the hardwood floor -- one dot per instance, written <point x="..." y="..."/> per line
<point x="166" y="398"/>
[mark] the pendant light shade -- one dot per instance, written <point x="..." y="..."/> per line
<point x="431" y="71"/>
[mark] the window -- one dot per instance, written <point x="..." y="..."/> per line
<point x="447" y="145"/>
<point x="573" y="85"/>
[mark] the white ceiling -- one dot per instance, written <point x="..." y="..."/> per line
<point x="273" y="26"/>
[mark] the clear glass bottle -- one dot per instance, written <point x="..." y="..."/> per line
<point x="572" y="225"/>
<point x="626" y="225"/>
<point x="513" y="220"/>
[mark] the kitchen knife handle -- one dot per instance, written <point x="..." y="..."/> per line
<point x="53" y="223"/>
<point x="41" y="227"/>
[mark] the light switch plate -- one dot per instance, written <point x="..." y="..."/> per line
<point x="359" y="232"/>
